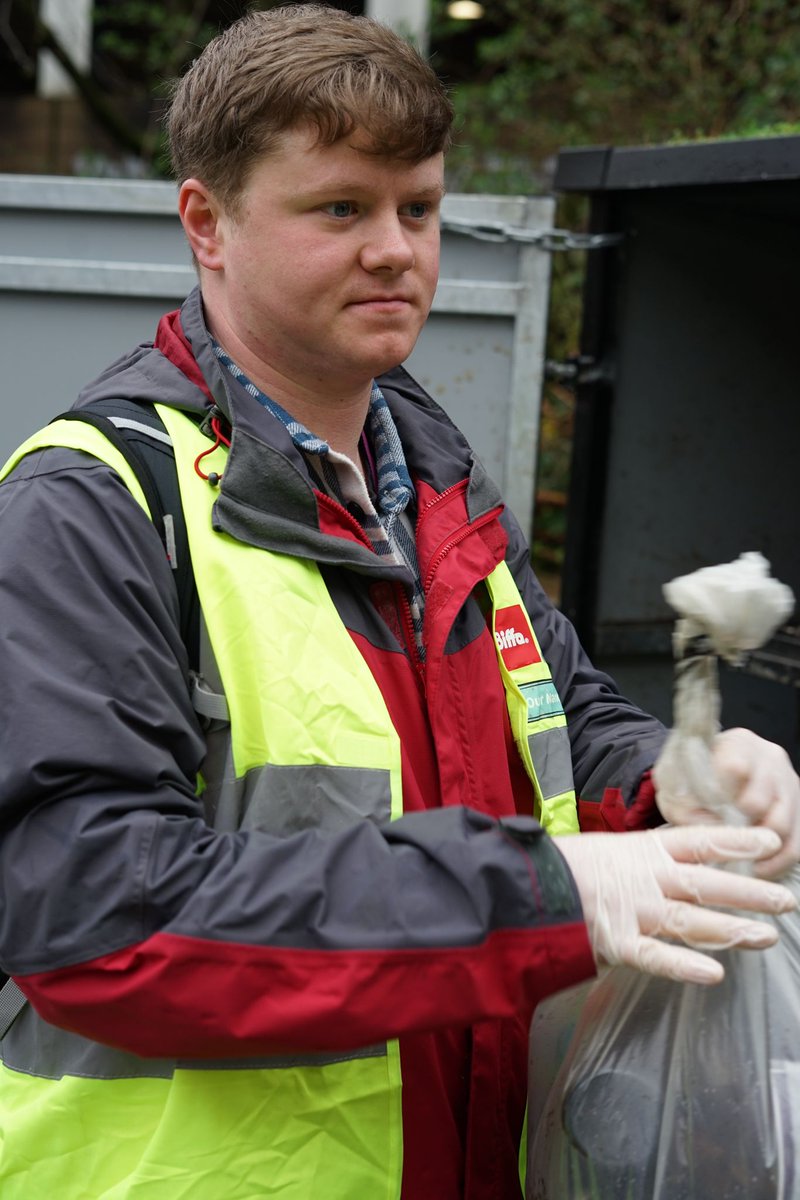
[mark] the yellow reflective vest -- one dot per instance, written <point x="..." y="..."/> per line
<point x="298" y="1126"/>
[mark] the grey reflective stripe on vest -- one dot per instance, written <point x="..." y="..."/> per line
<point x="285" y="799"/>
<point x="34" y="1047"/>
<point x="552" y="756"/>
<point x="278" y="799"/>
<point x="282" y="799"/>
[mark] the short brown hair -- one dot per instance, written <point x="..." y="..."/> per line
<point x="307" y="63"/>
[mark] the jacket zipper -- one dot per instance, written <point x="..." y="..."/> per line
<point x="447" y="546"/>
<point x="408" y="625"/>
<point x="404" y="606"/>
<point x="353" y="523"/>
<point x="438" y="498"/>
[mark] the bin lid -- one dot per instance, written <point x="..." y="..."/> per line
<point x="683" y="164"/>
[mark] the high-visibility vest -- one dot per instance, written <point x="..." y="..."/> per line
<point x="134" y="1131"/>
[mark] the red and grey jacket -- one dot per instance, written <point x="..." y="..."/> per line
<point x="131" y="923"/>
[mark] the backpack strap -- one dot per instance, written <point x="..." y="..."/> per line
<point x="135" y="429"/>
<point x="112" y="429"/>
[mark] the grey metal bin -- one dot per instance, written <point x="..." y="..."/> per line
<point x="88" y="266"/>
<point x="687" y="443"/>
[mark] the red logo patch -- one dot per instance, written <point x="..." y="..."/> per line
<point x="513" y="637"/>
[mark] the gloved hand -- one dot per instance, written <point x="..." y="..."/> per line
<point x="637" y="888"/>
<point x="761" y="782"/>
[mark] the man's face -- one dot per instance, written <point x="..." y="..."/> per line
<point x="330" y="265"/>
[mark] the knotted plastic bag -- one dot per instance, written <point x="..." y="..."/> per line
<point x="724" y="612"/>
<point x="674" y="1091"/>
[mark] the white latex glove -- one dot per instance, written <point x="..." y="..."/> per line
<point x="760" y="781"/>
<point x="637" y="888"/>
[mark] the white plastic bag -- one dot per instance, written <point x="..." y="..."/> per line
<point x="675" y="1091"/>
<point x="724" y="611"/>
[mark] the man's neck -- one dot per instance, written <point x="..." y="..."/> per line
<point x="335" y="416"/>
<point x="337" y="420"/>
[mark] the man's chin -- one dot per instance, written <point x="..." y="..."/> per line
<point x="390" y="354"/>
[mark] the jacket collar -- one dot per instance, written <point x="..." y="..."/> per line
<point x="266" y="497"/>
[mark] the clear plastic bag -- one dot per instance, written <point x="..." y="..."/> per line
<point x="674" y="1091"/>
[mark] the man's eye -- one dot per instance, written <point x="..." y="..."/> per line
<point x="340" y="208"/>
<point x="418" y="210"/>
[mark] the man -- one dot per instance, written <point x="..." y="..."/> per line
<point x="250" y="974"/>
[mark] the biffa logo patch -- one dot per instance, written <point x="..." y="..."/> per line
<point x="513" y="637"/>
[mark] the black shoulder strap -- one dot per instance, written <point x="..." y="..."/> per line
<point x="132" y="456"/>
<point x="136" y="430"/>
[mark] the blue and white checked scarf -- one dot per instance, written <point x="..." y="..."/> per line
<point x="385" y="521"/>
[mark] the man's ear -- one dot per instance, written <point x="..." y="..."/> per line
<point x="200" y="215"/>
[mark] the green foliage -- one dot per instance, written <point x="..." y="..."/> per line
<point x="537" y="75"/>
<point x="144" y="42"/>
<point x="571" y="72"/>
<point x="779" y="129"/>
<point x="140" y="46"/>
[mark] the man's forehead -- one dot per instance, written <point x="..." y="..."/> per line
<point x="361" y="138"/>
<point x="353" y="159"/>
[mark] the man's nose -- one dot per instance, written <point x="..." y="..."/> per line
<point x="387" y="246"/>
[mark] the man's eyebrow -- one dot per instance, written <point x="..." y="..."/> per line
<point x="436" y="191"/>
<point x="346" y="187"/>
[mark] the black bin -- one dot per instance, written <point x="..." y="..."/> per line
<point x="687" y="437"/>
